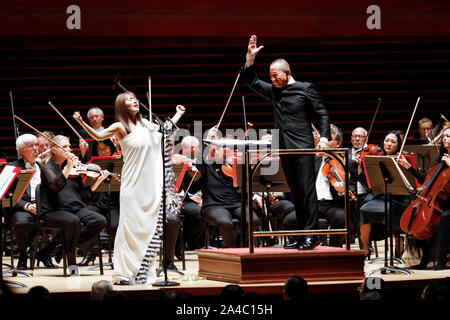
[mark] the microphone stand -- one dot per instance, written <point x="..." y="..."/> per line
<point x="388" y="197"/>
<point x="165" y="282"/>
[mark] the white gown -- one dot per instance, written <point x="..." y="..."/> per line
<point x="140" y="201"/>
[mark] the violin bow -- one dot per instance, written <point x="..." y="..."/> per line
<point x="149" y="96"/>
<point x="33" y="128"/>
<point x="409" y="126"/>
<point x="16" y="130"/>
<point x="68" y="123"/>
<point x="373" y="119"/>
<point x="229" y="98"/>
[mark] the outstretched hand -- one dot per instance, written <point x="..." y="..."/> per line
<point x="253" y="48"/>
<point x="77" y="116"/>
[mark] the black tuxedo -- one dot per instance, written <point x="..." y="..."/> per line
<point x="295" y="107"/>
<point x="24" y="223"/>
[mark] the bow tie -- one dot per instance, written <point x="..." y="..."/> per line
<point x="30" y="166"/>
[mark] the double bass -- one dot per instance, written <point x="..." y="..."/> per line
<point x="421" y="219"/>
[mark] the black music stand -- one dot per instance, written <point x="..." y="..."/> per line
<point x="382" y="172"/>
<point x="424" y="155"/>
<point x="12" y="194"/>
<point x="114" y="165"/>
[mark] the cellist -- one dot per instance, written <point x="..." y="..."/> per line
<point x="438" y="246"/>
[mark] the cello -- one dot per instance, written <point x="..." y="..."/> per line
<point x="421" y="219"/>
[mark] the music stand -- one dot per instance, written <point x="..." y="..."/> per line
<point x="424" y="155"/>
<point x="11" y="193"/>
<point x="381" y="172"/>
<point x="114" y="165"/>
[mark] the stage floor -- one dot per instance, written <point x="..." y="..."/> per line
<point x="79" y="287"/>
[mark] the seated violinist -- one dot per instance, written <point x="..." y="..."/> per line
<point x="358" y="182"/>
<point x="372" y="224"/>
<point x="62" y="203"/>
<point x="24" y="218"/>
<point x="221" y="200"/>
<point x="437" y="247"/>
<point x="101" y="202"/>
<point x="330" y="196"/>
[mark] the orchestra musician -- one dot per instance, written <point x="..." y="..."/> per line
<point x="372" y="224"/>
<point x="331" y="200"/>
<point x="24" y="219"/>
<point x="101" y="202"/>
<point x="358" y="181"/>
<point x="62" y="197"/>
<point x="437" y="247"/>
<point x="221" y="201"/>
<point x="43" y="142"/>
<point x="295" y="105"/>
<point x="138" y="236"/>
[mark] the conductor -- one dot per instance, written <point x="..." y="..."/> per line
<point x="295" y="104"/>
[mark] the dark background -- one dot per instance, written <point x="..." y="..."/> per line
<point x="193" y="51"/>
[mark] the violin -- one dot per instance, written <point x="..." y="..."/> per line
<point x="422" y="217"/>
<point x="369" y="150"/>
<point x="336" y="173"/>
<point x="92" y="171"/>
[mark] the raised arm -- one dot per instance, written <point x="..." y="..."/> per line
<point x="116" y="129"/>
<point x="180" y="111"/>
<point x="253" y="50"/>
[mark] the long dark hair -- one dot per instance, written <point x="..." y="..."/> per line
<point x="107" y="142"/>
<point x="398" y="134"/>
<point x="122" y="114"/>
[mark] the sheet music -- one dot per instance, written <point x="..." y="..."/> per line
<point x="6" y="178"/>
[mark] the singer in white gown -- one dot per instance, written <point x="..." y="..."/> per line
<point x="138" y="237"/>
<point x="142" y="181"/>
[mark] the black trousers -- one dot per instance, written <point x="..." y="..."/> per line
<point x="113" y="214"/>
<point x="81" y="227"/>
<point x="25" y="227"/>
<point x="194" y="226"/>
<point x="299" y="173"/>
<point x="222" y="217"/>
<point x="284" y="210"/>
<point x="335" y="215"/>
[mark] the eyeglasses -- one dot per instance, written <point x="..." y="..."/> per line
<point x="358" y="136"/>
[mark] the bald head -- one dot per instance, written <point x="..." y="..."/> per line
<point x="359" y="137"/>
<point x="280" y="73"/>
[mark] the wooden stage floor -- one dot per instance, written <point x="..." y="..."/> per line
<point x="78" y="288"/>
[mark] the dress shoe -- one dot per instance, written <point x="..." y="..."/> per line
<point x="22" y="264"/>
<point x="172" y="266"/>
<point x="310" y="243"/>
<point x="441" y="264"/>
<point x="46" y="259"/>
<point x="89" y="257"/>
<point x="292" y="245"/>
